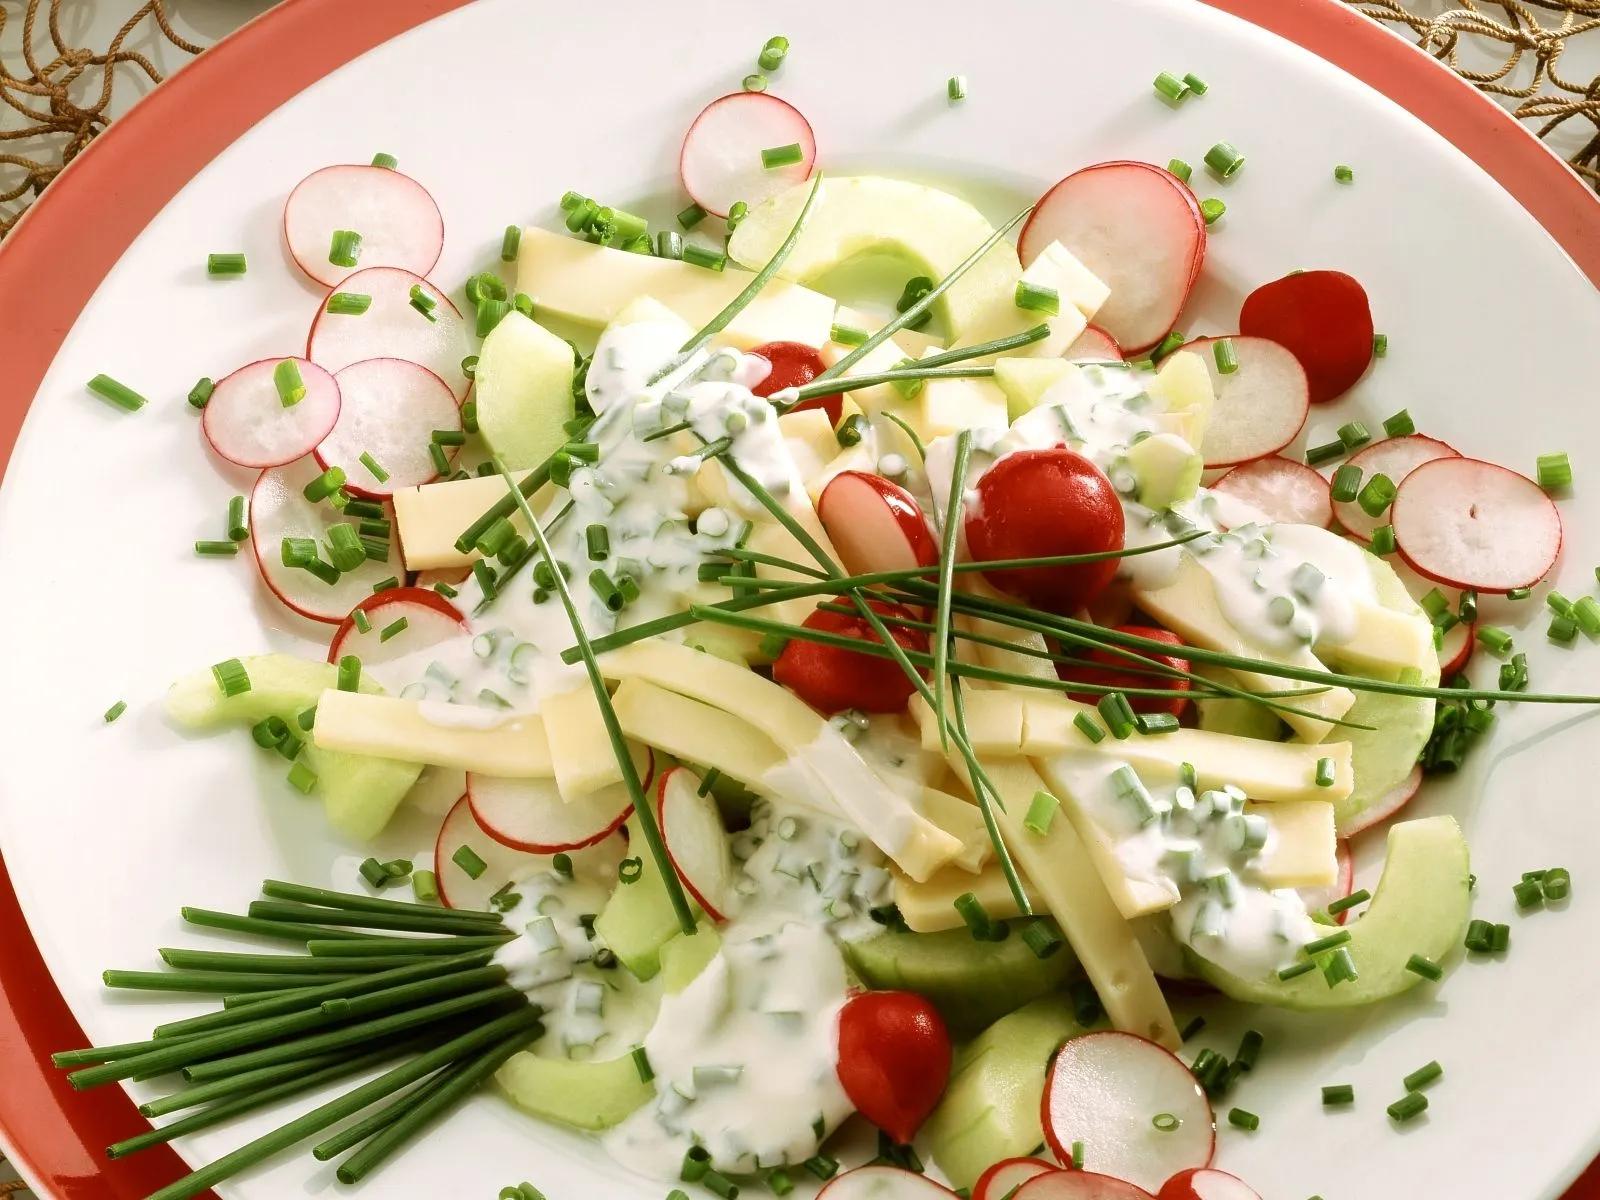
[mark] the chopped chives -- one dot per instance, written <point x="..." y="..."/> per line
<point x="1325" y="453"/>
<point x="774" y="157"/>
<point x="225" y="264"/>
<point x="436" y="455"/>
<point x="372" y="871"/>
<point x="1478" y="936"/>
<point x="1196" y="85"/>
<point x="737" y="213"/>
<point x="1195" y="1025"/>
<point x="115" y="711"/>
<point x="1317" y="946"/>
<point x="385" y="160"/>
<point x="1041" y="938"/>
<point x="1419" y="964"/>
<point x="1173" y="341"/>
<point x="691" y="216"/>
<point x="1087" y="726"/>
<point x="344" y="547"/>
<point x="1249" y="1049"/>
<point x="393" y="629"/>
<point x="1383" y="540"/>
<point x="1376" y="495"/>
<point x="1339" y="967"/>
<point x="754" y="82"/>
<point x="232" y="678"/>
<point x="1241" y="1118"/>
<point x="1165" y="1122"/>
<point x="1077" y="1156"/>
<point x="606" y="589"/>
<point x="211" y="549"/>
<point x="1354" y="434"/>
<point x="1155" y="723"/>
<point x="669" y="244"/>
<point x="286" y="378"/>
<point x="1176" y="166"/>
<point x="362" y="622"/>
<point x="1034" y="298"/>
<point x="383" y="585"/>
<point x="425" y="886"/>
<point x="1226" y="358"/>
<point x="955" y="88"/>
<point x="1337" y="1093"/>
<point x="1558" y="604"/>
<point x="1528" y="894"/>
<point x="1557" y="883"/>
<point x="1413" y="1104"/>
<point x="1212" y="210"/>
<point x="1563" y="631"/>
<point x="1346" y="483"/>
<point x="1499" y="938"/>
<point x="821" y="1166"/>
<point x="349" y="679"/>
<point x="851" y="430"/>
<point x="1348" y="902"/>
<point x="973" y="915"/>
<point x="1295" y="970"/>
<point x="773" y="52"/>
<point x="1399" y="425"/>
<point x="324" y="485"/>
<point x="200" y="393"/>
<point x="467" y="859"/>
<point x="696" y="1162"/>
<point x="345" y="248"/>
<point x="1325" y="772"/>
<point x="1224" y="160"/>
<point x="238" y="523"/>
<point x="1041" y="812"/>
<point x="699" y="256"/>
<point x="1170" y="88"/>
<point x="1117" y="713"/>
<point x="123" y="396"/>
<point x="510" y="243"/>
<point x="302" y="778"/>
<point x="598" y="540"/>
<point x="374" y="467"/>
<point x="490" y="313"/>
<point x="1554" y="471"/>
<point x="423" y="302"/>
<point x="1344" y="174"/>
<point x="1380" y="345"/>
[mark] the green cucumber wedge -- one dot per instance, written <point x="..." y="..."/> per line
<point x="523" y="391"/>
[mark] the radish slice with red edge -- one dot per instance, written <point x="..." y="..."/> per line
<point x="391" y="410"/>
<point x="1324" y="320"/>
<point x="1139" y="229"/>
<point x="529" y="814"/>
<point x="392" y="328"/>
<point x="397" y="219"/>
<point x="874" y="524"/>
<point x="1117" y="1122"/>
<point x="882" y="1183"/>
<point x="1005" y="1177"/>
<point x="1206" y="1183"/>
<point x="1396" y="458"/>
<point x="247" y="423"/>
<point x="1455" y="648"/>
<point x="1473" y="524"/>
<point x="1343" y="885"/>
<point x="1094" y="345"/>
<point x="696" y="841"/>
<point x="1259" y="408"/>
<point x="278" y="510"/>
<point x="1079" y="1185"/>
<point x="721" y="161"/>
<point x="1281" y="490"/>
<point x="1383" y="809"/>
<point x="429" y="619"/>
<point x="461" y="887"/>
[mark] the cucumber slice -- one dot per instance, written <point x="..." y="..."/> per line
<point x="583" y="1095"/>
<point x="684" y="957"/>
<point x="523" y="389"/>
<point x="638" y="920"/>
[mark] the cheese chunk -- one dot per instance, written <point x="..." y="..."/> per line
<point x="1062" y="271"/>
<point x="811" y="441"/>
<point x="434" y="733"/>
<point x="930" y="907"/>
<point x="916" y="342"/>
<point x="1302" y="847"/>
<point x="695" y="732"/>
<point x="883" y="357"/>
<point x="946" y="406"/>
<point x="993" y="728"/>
<point x="429" y="518"/>
<point x="962" y="820"/>
<point x="581" y="756"/>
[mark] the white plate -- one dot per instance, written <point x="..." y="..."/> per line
<point x="500" y="107"/>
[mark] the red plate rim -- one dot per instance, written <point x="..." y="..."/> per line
<point x="55" y="1134"/>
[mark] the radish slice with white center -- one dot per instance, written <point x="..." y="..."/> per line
<point x="1455" y="648"/>
<point x="1206" y="1183"/>
<point x="529" y="814"/>
<point x="1079" y="1185"/>
<point x="696" y="841"/>
<point x="388" y="657"/>
<point x="721" y="162"/>
<point x="1344" y="865"/>
<point x="390" y="411"/>
<point x="1473" y="524"/>
<point x="1281" y="489"/>
<point x="883" y="1183"/>
<point x="463" y="885"/>
<point x="1396" y="458"/>
<point x="1139" y="229"/>
<point x="1260" y="407"/>
<point x="278" y="510"/>
<point x="392" y="328"/>
<point x="246" y="421"/>
<point x="1093" y="345"/>
<point x="397" y="219"/>
<point x="1392" y="802"/>
<point x="874" y="524"/>
<point x="1106" y="1089"/>
<point x="1005" y="1177"/>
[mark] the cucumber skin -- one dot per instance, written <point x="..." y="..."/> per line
<point x="582" y="1095"/>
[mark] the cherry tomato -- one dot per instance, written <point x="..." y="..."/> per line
<point x="1034" y="503"/>
<point x="795" y="364"/>
<point x="831" y="678"/>
<point x="1323" y="319"/>
<point x="1114" y="672"/>
<point x="894" y="1059"/>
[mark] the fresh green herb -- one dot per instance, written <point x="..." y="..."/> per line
<point x="1380" y="345"/>
<point x="225" y="264"/>
<point x="1176" y="166"/>
<point x="387" y="161"/>
<point x="955" y="88"/>
<point x="1225" y="356"/>
<point x="232" y="678"/>
<point x="374" y="467"/>
<point x="210" y="549"/>
<point x="468" y="860"/>
<point x="1224" y="160"/>
<point x="344" y="248"/>
<point x="1383" y="540"/>
<point x="393" y="629"/>
<point x="349" y="673"/>
<point x="1170" y="88"/>
<point x="1033" y="298"/>
<point x="1212" y="210"/>
<point x="699" y="256"/>
<point x="1041" y="812"/>
<point x="1376" y="495"/>
<point x="1195" y="84"/>
<point x="1316" y="456"/>
<point x="1419" y="964"/>
<point x="754" y="82"/>
<point x="1087" y="726"/>
<point x="302" y="778"/>
<point x="1346" y="903"/>
<point x="1325" y="772"/>
<point x="1334" y="1094"/>
<point x="123" y="396"/>
<point x="200" y="393"/>
<point x="286" y="379"/>
<point x="1344" y="174"/>
<point x="115" y="711"/>
<point x="348" y="304"/>
<point x="1563" y="631"/>
<point x="1354" y="435"/>
<point x="510" y="243"/>
<point x="1241" y="1118"/>
<point x="1399" y="425"/>
<point x="1554" y="472"/>
<point x="774" y="157"/>
<point x="1408" y="1107"/>
<point x="1346" y="483"/>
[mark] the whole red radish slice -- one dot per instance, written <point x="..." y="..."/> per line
<point x="391" y="410"/>
<point x="1044" y="503"/>
<point x="883" y="1183"/>
<point x="1106" y="1089"/>
<point x="1392" y="802"/>
<point x="247" y="423"/>
<point x="392" y="327"/>
<point x="1000" y="1181"/>
<point x="397" y="219"/>
<point x="1396" y="458"/>
<point x="1281" y="490"/>
<point x="875" y="524"/>
<point x="1206" y="1183"/>
<point x="278" y="510"/>
<point x="1115" y="671"/>
<point x="1473" y="524"/>
<point x="1136" y="227"/>
<point x="1342" y="886"/>
<point x="462" y="884"/>
<point x="833" y="678"/>
<point x="721" y="162"/>
<point x="696" y="840"/>
<point x="1259" y="408"/>
<point x="384" y="651"/>
<point x="795" y="364"/>
<point x="1323" y="319"/>
<point x="1094" y="345"/>
<point x="894" y="1059"/>
<point x="529" y="814"/>
<point x="1079" y="1185"/>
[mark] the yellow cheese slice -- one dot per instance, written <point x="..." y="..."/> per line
<point x="695" y="732"/>
<point x="1302" y="847"/>
<point x="962" y="820"/>
<point x="1058" y="268"/>
<point x="993" y="728"/>
<point x="883" y="357"/>
<point x="916" y="342"/>
<point x="810" y="438"/>
<point x="581" y="756"/>
<point x="431" y="732"/>
<point x="431" y="517"/>
<point x="946" y="406"/>
<point x="930" y="907"/>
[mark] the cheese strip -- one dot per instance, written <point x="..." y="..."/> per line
<point x="885" y="356"/>
<point x="947" y="406"/>
<point x="822" y="768"/>
<point x="570" y="278"/>
<point x="993" y="727"/>
<point x="930" y="907"/>
<point x="431" y="517"/>
<point x="962" y="820"/>
<point x="695" y="732"/>
<point x="916" y="342"/>
<point x="1302" y="846"/>
<point x="386" y="727"/>
<point x="581" y="756"/>
<point x="810" y="439"/>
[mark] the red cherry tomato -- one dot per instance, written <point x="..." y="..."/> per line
<point x="1034" y="503"/>
<point x="1323" y="319"/>
<point x="894" y="1059"/>
<point x="795" y="364"/>
<point x="831" y="678"/>
<point x="1114" y="673"/>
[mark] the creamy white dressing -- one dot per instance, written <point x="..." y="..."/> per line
<point x="1288" y="585"/>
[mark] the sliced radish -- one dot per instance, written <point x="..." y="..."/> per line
<point x="1139" y="229"/>
<point x="696" y="841"/>
<point x="1260" y="407"/>
<point x="1103" y="1089"/>
<point x="1474" y="524"/>
<point x="721" y="161"/>
<point x="246" y="422"/>
<point x="1344" y="865"/>
<point x="502" y="864"/>
<point x="1396" y="458"/>
<point x="278" y="510"/>
<point x="1005" y="1177"/>
<point x="883" y="1183"/>
<point x="1324" y="320"/>
<point x="397" y="219"/>
<point x="392" y="328"/>
<point x="1392" y="802"/>
<point x="449" y="576"/>
<point x="1079" y="1185"/>
<point x="1206" y="1183"/>
<point x="429" y="619"/>
<point x="1281" y="490"/>
<point x="1094" y="345"/>
<point x="529" y="814"/>
<point x="1455" y="648"/>
<point x="874" y="524"/>
<point x="391" y="409"/>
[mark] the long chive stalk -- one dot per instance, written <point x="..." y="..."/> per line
<point x="414" y="946"/>
<point x="278" y="889"/>
<point x="284" y="930"/>
<point x="982" y="349"/>
<point x="531" y="483"/>
<point x="947" y="558"/>
<point x="249" y="1081"/>
<point x="284" y="964"/>
<point x="215" y="982"/>
<point x="790" y="397"/>
<point x="354" y="1135"/>
<point x="425" y="920"/>
<point x="407" y="994"/>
